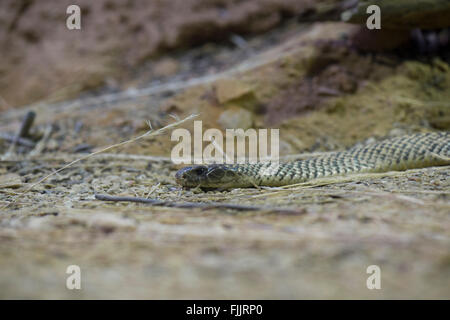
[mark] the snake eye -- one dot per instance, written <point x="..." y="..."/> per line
<point x="215" y="173"/>
<point x="200" y="170"/>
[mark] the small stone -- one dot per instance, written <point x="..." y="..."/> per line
<point x="397" y="132"/>
<point x="230" y="89"/>
<point x="235" y="118"/>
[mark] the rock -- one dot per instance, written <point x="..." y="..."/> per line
<point x="404" y="14"/>
<point x="231" y="89"/>
<point x="235" y="118"/>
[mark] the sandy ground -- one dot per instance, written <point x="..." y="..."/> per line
<point x="320" y="248"/>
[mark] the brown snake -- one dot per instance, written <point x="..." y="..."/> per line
<point x="402" y="153"/>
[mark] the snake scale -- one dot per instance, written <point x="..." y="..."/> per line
<point x="407" y="152"/>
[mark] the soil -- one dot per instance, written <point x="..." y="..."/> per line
<point x="43" y="60"/>
<point x="308" y="80"/>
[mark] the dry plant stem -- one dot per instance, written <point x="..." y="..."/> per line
<point x="196" y="205"/>
<point x="25" y="127"/>
<point x="153" y="189"/>
<point x="27" y="124"/>
<point x="104" y="156"/>
<point x="22" y="141"/>
<point x="149" y="133"/>
<point x="40" y="146"/>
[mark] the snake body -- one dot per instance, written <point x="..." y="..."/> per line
<point x="407" y="152"/>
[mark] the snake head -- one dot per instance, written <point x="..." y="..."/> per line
<point x="211" y="176"/>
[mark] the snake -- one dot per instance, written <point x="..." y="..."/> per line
<point x="401" y="153"/>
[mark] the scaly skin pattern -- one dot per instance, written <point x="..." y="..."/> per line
<point x="397" y="154"/>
